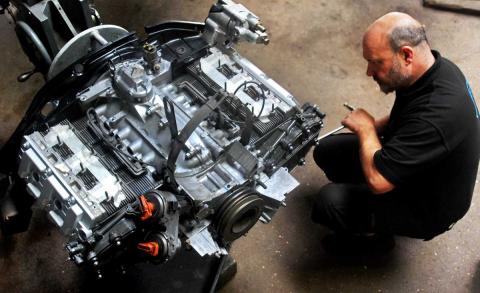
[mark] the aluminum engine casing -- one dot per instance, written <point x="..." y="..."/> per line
<point x="211" y="143"/>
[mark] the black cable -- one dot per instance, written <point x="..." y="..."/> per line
<point x="218" y="272"/>
<point x="260" y="87"/>
<point x="124" y="211"/>
<point x="263" y="102"/>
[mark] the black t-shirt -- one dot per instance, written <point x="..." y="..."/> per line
<point x="431" y="145"/>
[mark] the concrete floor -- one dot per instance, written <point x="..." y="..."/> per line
<point x="315" y="52"/>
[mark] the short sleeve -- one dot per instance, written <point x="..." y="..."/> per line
<point x="417" y="146"/>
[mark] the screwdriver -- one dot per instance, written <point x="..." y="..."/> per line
<point x="349" y="107"/>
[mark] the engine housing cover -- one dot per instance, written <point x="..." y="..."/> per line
<point x="175" y="140"/>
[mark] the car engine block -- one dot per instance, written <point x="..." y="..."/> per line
<point x="172" y="141"/>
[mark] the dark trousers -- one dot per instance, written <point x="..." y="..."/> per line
<point x="348" y="206"/>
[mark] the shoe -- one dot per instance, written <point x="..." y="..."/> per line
<point x="355" y="245"/>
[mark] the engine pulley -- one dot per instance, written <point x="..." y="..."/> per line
<point x="240" y="211"/>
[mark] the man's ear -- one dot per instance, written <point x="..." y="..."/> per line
<point x="406" y="54"/>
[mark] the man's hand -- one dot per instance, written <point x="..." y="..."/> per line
<point x="363" y="125"/>
<point x="359" y="121"/>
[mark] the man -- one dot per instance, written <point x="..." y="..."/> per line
<point x="411" y="173"/>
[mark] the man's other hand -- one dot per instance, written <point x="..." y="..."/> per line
<point x="359" y="121"/>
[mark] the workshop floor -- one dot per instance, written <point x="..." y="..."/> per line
<point x="315" y="52"/>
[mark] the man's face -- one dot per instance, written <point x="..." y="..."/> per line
<point x="384" y="66"/>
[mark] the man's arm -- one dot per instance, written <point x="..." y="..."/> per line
<point x="363" y="125"/>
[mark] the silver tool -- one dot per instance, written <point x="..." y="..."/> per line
<point x="349" y="107"/>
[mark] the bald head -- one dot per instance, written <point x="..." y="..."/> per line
<point x="396" y="29"/>
<point x="397" y="51"/>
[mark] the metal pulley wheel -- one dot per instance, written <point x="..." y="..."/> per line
<point x="82" y="44"/>
<point x="237" y="215"/>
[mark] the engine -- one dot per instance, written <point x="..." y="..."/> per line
<point x="175" y="140"/>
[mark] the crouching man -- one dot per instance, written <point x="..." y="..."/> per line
<point x="411" y="173"/>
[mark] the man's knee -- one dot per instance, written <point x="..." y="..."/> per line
<point x="324" y="156"/>
<point x="343" y="207"/>
<point x="337" y="156"/>
<point x="329" y="199"/>
<point x="324" y="151"/>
